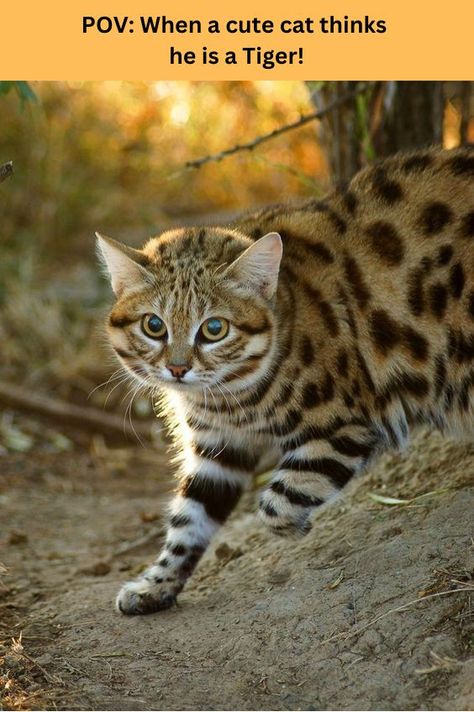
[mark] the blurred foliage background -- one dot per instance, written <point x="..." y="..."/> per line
<point x="110" y="156"/>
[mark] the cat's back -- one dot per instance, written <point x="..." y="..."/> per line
<point x="400" y="235"/>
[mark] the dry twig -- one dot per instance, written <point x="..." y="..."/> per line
<point x="250" y="145"/>
<point x="6" y="170"/>
<point x="90" y="419"/>
<point x="345" y="635"/>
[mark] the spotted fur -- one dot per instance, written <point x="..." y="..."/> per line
<point x="362" y="331"/>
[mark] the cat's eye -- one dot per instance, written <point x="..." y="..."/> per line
<point x="214" y="329"/>
<point x="153" y="326"/>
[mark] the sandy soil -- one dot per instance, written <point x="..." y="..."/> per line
<point x="372" y="610"/>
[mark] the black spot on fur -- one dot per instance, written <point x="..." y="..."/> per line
<point x="449" y="397"/>
<point x="295" y="496"/>
<point x="329" y="317"/>
<point x="320" y="251"/>
<point x="348" y="399"/>
<point x="416" y="164"/>
<point x="325" y="309"/>
<point x="339" y="474"/>
<point x="467" y="225"/>
<point x="180" y="520"/>
<point x="306" y="351"/>
<point x="386" y="242"/>
<point x="260" y="391"/>
<point x="464" y="395"/>
<point x="416" y="343"/>
<point x="163" y="562"/>
<point x="438" y="298"/>
<point x="350" y="201"/>
<point x="313" y="432"/>
<point x="462" y="165"/>
<point x="319" y="206"/>
<point x="217" y="496"/>
<point x="311" y="396"/>
<point x="426" y="264"/>
<point x="444" y="256"/>
<point x="470" y="306"/>
<point x="385" y="332"/>
<point x="440" y="375"/>
<point x="268" y="509"/>
<point x="347" y="446"/>
<point x="408" y="382"/>
<point x="389" y="191"/>
<point x="228" y="456"/>
<point x="286" y="391"/>
<point x="190" y="562"/>
<point x="327" y="388"/>
<point x="356" y="281"/>
<point x="414" y="383"/>
<point x="338" y="222"/>
<point x="460" y="347"/>
<point x="342" y="363"/>
<point x="457" y="280"/>
<point x="415" y="292"/>
<point x="435" y="217"/>
<point x="184" y="246"/>
<point x="178" y="550"/>
<point x="365" y="371"/>
<point x="291" y="421"/>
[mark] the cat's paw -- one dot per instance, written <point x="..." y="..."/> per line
<point x="146" y="596"/>
<point x="281" y="516"/>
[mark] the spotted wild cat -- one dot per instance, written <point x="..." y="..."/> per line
<point x="319" y="332"/>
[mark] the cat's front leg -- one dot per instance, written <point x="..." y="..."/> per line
<point x="310" y="474"/>
<point x="207" y="494"/>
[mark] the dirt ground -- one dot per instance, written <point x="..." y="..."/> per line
<point x="374" y="609"/>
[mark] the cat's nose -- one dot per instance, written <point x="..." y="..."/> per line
<point x="178" y="370"/>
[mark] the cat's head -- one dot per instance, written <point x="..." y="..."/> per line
<point x="195" y="307"/>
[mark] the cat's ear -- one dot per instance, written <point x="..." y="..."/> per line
<point x="259" y="265"/>
<point x="125" y="265"/>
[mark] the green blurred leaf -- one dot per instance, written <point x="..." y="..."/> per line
<point x="25" y="92"/>
<point x="23" y="89"/>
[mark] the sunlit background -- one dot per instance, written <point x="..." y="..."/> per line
<point x="111" y="156"/>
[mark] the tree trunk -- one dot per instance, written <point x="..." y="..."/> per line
<point x="388" y="117"/>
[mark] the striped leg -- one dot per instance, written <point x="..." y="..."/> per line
<point x="312" y="473"/>
<point x="207" y="494"/>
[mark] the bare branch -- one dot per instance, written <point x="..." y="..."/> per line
<point x="88" y="418"/>
<point x="305" y="119"/>
<point x="6" y="171"/>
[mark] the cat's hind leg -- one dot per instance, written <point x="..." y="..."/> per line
<point x="311" y="473"/>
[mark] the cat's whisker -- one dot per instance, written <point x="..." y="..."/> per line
<point x="113" y="377"/>
<point x="124" y="379"/>
<point x="128" y="412"/>
<point x="226" y="389"/>
<point x="134" y="384"/>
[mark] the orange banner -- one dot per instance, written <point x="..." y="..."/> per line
<point x="210" y="40"/>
